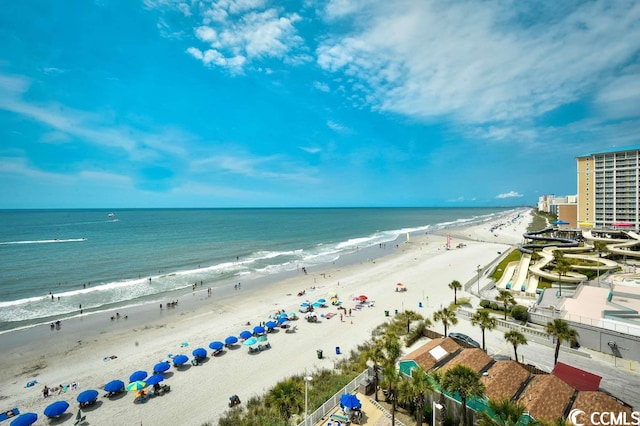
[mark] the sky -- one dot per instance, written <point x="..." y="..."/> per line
<point x="308" y="103"/>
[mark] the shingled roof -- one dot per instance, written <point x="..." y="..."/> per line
<point x="504" y="379"/>
<point x="546" y="397"/>
<point x="433" y="353"/>
<point x="596" y="401"/>
<point x="476" y="359"/>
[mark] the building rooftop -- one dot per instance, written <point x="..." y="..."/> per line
<point x="612" y="150"/>
<point x="546" y="397"/>
<point x="504" y="379"/>
<point x="432" y="353"/>
<point x="592" y="401"/>
<point x="476" y="359"/>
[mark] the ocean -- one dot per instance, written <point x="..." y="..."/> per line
<point x="52" y="262"/>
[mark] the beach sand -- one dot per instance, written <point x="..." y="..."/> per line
<point x="199" y="394"/>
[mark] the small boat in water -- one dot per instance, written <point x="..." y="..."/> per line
<point x="111" y="215"/>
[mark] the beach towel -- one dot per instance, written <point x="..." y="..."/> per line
<point x="184" y="344"/>
<point x="9" y="414"/>
<point x="329" y="315"/>
<point x="31" y="383"/>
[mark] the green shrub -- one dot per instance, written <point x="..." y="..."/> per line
<point x="485" y="303"/>
<point x="495" y="306"/>
<point x="519" y="313"/>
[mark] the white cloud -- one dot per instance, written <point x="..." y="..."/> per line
<point x="510" y="194"/>
<point x="323" y="87"/>
<point x="310" y="150"/>
<point x="338" y="127"/>
<point x="479" y="62"/>
<point x="240" y="32"/>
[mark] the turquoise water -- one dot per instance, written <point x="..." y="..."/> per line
<point x="89" y="258"/>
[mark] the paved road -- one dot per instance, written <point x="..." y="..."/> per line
<point x="620" y="378"/>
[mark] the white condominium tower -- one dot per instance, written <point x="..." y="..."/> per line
<point x="609" y="187"/>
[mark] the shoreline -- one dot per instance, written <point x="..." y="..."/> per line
<point x="75" y="353"/>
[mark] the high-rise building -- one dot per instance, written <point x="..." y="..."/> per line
<point x="609" y="187"/>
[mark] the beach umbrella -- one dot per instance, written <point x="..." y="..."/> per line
<point x="282" y="320"/>
<point x="246" y="334"/>
<point x="362" y="297"/>
<point x="349" y="400"/>
<point x="399" y="284"/>
<point x="322" y="301"/>
<point x="114" y="386"/>
<point x="258" y="329"/>
<point x="138" y="375"/>
<point x="216" y="346"/>
<point x="250" y="342"/>
<point x="155" y="379"/>
<point x="161" y="367"/>
<point x="137" y="385"/>
<point x="199" y="353"/>
<point x="262" y="338"/>
<point x="284" y="315"/>
<point x="25" y="419"/>
<point x="271" y="324"/>
<point x="56" y="409"/>
<point x="333" y="293"/>
<point x="87" y="396"/>
<point x="317" y="305"/>
<point x="180" y="359"/>
<point x="231" y="340"/>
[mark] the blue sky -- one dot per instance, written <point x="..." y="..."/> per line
<point x="258" y="103"/>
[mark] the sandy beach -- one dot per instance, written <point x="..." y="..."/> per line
<point x="79" y="351"/>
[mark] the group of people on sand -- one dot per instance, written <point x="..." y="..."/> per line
<point x="47" y="391"/>
<point x="170" y="304"/>
<point x="117" y="316"/>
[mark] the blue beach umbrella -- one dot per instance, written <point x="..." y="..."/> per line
<point x="246" y="334"/>
<point x="87" y="396"/>
<point x="262" y="338"/>
<point x="114" y="386"/>
<point x="284" y="315"/>
<point x="199" y="353"/>
<point x="271" y="324"/>
<point x="349" y="400"/>
<point x="258" y="329"/>
<point x="138" y="375"/>
<point x="161" y="367"/>
<point x="317" y="305"/>
<point x="56" y="409"/>
<point x="216" y="346"/>
<point x="231" y="340"/>
<point x="155" y="379"/>
<point x="25" y="419"/>
<point x="322" y="301"/>
<point x="180" y="359"/>
<point x="282" y="320"/>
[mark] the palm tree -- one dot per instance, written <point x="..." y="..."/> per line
<point x="485" y="321"/>
<point x="507" y="413"/>
<point x="466" y="382"/>
<point x="561" y="332"/>
<point x="284" y="397"/>
<point x="506" y="298"/>
<point x="414" y="391"/>
<point x="455" y="286"/>
<point x="447" y="317"/>
<point x="562" y="267"/>
<point x="376" y="354"/>
<point x="391" y="380"/>
<point x="516" y="339"/>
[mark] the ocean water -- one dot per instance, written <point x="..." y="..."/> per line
<point x="101" y="260"/>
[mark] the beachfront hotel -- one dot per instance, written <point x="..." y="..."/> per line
<point x="609" y="187"/>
